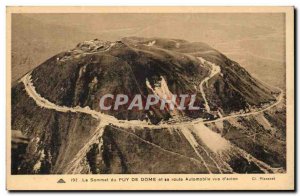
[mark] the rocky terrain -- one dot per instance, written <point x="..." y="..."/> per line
<point x="240" y="127"/>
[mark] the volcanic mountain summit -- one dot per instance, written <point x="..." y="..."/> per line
<point x="240" y="127"/>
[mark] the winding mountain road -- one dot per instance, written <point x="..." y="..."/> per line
<point x="214" y="70"/>
<point x="105" y="120"/>
<point x="44" y="103"/>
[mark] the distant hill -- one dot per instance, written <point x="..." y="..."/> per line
<point x="33" y="42"/>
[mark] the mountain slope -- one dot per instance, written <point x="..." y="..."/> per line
<point x="119" y="141"/>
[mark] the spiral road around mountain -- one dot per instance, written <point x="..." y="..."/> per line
<point x="105" y="119"/>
